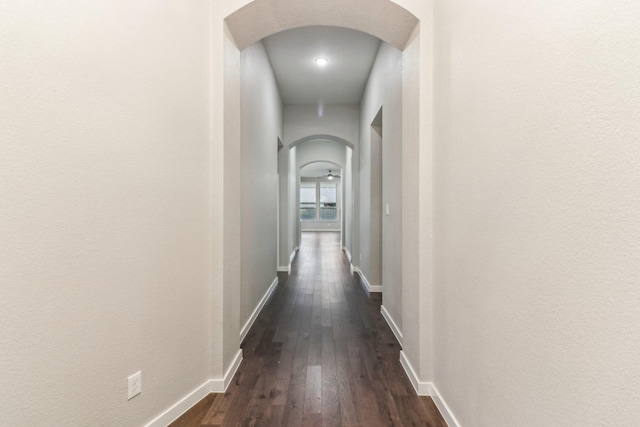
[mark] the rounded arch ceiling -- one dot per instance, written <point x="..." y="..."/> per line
<point x="321" y="137"/>
<point x="319" y="168"/>
<point x="381" y="18"/>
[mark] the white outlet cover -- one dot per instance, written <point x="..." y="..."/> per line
<point x="135" y="385"/>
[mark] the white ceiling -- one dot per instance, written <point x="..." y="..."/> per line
<point x="342" y="81"/>
<point x="318" y="169"/>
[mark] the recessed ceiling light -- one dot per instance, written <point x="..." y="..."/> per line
<point x="321" y="62"/>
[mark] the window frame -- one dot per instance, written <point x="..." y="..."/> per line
<point x="318" y="202"/>
<point x="315" y="201"/>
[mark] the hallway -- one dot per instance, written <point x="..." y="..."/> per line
<point x="320" y="353"/>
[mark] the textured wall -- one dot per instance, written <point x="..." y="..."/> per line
<point x="116" y="148"/>
<point x="417" y="298"/>
<point x="226" y="213"/>
<point x="261" y="128"/>
<point x="538" y="212"/>
<point x="103" y="212"/>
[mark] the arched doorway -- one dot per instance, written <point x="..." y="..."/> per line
<point x="334" y="151"/>
<point x="398" y="27"/>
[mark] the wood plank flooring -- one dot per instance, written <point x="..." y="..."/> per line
<point x="319" y="354"/>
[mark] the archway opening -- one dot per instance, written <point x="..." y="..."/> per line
<point x="392" y="24"/>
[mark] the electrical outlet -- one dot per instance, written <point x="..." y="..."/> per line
<point x="135" y="384"/>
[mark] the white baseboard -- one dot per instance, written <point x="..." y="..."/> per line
<point x="287" y="268"/>
<point x="292" y="257"/>
<point x="347" y="253"/>
<point x="424" y="388"/>
<point x="321" y="229"/>
<point x="443" y="408"/>
<point x="368" y="286"/>
<point x="247" y="326"/>
<point x="394" y="328"/>
<point x="187" y="402"/>
<point x="220" y="385"/>
<point x="182" y="406"/>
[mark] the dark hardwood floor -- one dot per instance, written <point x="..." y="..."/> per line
<point x="319" y="354"/>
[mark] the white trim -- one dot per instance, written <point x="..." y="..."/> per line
<point x="368" y="286"/>
<point x="258" y="309"/>
<point x="187" y="402"/>
<point x="444" y="408"/>
<point x="394" y="328"/>
<point x="182" y="406"/>
<point x="291" y="258"/>
<point x="287" y="269"/>
<point x="424" y="388"/>
<point x="347" y="253"/>
<point x="321" y="229"/>
<point x="421" y="387"/>
<point x="220" y="385"/>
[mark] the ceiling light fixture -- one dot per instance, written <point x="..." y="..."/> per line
<point x="321" y="61"/>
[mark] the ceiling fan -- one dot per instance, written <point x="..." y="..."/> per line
<point x="330" y="176"/>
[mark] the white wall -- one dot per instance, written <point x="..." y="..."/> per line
<point x="284" y="250"/>
<point x="225" y="207"/>
<point x="320" y="150"/>
<point x="417" y="207"/>
<point x="261" y="128"/>
<point x="104" y="214"/>
<point x="347" y="182"/>
<point x="112" y="159"/>
<point x="132" y="136"/>
<point x="340" y="121"/>
<point x="538" y="212"/>
<point x="294" y="201"/>
<point x="381" y="235"/>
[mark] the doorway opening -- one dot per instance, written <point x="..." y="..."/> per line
<point x="240" y="36"/>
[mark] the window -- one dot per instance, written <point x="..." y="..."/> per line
<point x="328" y="197"/>
<point x="318" y="201"/>
<point x="307" y="201"/>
